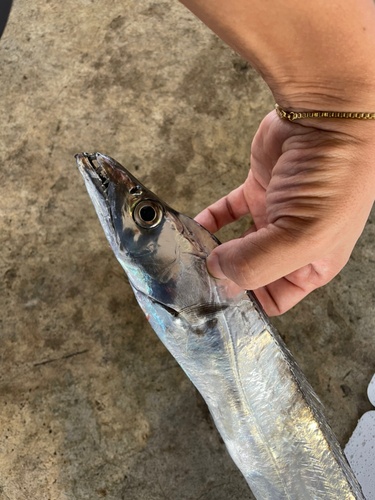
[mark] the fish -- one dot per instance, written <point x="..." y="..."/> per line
<point x="267" y="413"/>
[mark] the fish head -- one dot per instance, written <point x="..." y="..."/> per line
<point x="162" y="251"/>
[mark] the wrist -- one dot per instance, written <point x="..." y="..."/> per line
<point x="338" y="94"/>
<point x="324" y="57"/>
<point x="325" y="94"/>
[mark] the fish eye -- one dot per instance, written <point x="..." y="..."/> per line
<point x="148" y="214"/>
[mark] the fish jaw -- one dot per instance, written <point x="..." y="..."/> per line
<point x="97" y="192"/>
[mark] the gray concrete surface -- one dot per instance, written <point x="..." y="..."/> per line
<point x="91" y="404"/>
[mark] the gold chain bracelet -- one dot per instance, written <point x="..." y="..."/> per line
<point x="294" y="115"/>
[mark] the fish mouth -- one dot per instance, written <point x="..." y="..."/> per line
<point x="107" y="170"/>
<point x="92" y="169"/>
<point x="98" y="167"/>
<point x="108" y="184"/>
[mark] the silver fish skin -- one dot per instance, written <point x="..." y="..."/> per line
<point x="266" y="412"/>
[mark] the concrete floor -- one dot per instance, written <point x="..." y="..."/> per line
<point x="91" y="404"/>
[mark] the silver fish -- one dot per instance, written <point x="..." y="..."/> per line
<point x="265" y="410"/>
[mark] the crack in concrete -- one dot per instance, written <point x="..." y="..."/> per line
<point x="67" y="356"/>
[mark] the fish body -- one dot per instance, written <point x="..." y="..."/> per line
<point x="265" y="410"/>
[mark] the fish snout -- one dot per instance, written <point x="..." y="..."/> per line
<point x="117" y="173"/>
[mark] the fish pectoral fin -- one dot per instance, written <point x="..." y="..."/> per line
<point x="202" y="312"/>
<point x="168" y="309"/>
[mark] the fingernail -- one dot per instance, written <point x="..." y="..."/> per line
<point x="213" y="267"/>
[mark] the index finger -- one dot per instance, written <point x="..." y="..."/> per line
<point x="228" y="209"/>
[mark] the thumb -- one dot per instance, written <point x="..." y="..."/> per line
<point x="261" y="257"/>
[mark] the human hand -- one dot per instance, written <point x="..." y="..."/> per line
<point x="309" y="190"/>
